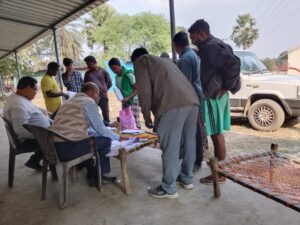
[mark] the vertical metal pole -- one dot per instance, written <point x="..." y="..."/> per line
<point x="57" y="57"/>
<point x="173" y="30"/>
<point x="1" y="83"/>
<point x="17" y="65"/>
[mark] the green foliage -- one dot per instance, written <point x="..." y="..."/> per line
<point x="245" y="32"/>
<point x="98" y="16"/>
<point x="271" y="63"/>
<point x="121" y="34"/>
<point x="7" y="67"/>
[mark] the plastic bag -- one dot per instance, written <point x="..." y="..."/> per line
<point x="127" y="120"/>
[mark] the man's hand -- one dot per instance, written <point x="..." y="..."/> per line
<point x="113" y="124"/>
<point x="148" y="122"/>
<point x="66" y="95"/>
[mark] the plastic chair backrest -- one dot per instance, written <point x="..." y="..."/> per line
<point x="44" y="137"/>
<point x="12" y="136"/>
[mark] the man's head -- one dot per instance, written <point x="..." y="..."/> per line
<point x="68" y="63"/>
<point x="91" y="90"/>
<point x="180" y="41"/>
<point x="52" y="68"/>
<point x="27" y="87"/>
<point x="115" y="65"/>
<point x="199" y="32"/>
<point x="91" y="62"/>
<point x="164" y="55"/>
<point x="137" y="53"/>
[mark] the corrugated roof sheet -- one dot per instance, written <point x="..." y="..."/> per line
<point x="24" y="21"/>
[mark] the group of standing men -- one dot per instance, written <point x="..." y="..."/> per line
<point x="182" y="98"/>
<point x="180" y="95"/>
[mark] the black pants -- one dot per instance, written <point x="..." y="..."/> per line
<point x="67" y="151"/>
<point x="30" y="145"/>
<point x="103" y="104"/>
<point x="200" y="134"/>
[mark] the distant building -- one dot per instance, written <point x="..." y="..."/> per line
<point x="288" y="59"/>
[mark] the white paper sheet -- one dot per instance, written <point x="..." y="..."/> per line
<point x="118" y="94"/>
<point x="131" y="131"/>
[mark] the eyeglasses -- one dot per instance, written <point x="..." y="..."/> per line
<point x="35" y="88"/>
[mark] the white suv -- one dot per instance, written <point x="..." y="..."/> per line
<point x="266" y="99"/>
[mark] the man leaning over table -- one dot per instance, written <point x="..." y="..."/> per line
<point x="78" y="118"/>
<point x="165" y="91"/>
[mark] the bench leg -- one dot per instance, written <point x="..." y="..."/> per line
<point x="213" y="163"/>
<point x="124" y="171"/>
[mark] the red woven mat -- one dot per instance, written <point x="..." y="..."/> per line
<point x="274" y="176"/>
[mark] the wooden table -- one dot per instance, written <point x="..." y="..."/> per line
<point x="123" y="160"/>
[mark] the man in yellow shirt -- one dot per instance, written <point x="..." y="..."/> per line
<point x="51" y="92"/>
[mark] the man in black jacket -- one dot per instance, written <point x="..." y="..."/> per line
<point x="219" y="74"/>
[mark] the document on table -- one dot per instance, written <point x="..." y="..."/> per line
<point x="118" y="94"/>
<point x="117" y="145"/>
<point x="132" y="131"/>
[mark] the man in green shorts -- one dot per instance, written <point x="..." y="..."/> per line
<point x="219" y="74"/>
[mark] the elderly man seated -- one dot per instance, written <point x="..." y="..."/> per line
<point x="19" y="110"/>
<point x="78" y="118"/>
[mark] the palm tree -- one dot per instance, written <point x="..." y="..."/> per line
<point x="70" y="41"/>
<point x="245" y="32"/>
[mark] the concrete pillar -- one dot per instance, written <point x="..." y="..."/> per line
<point x="57" y="58"/>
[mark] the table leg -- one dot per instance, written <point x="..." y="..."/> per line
<point x="124" y="171"/>
<point x="213" y="163"/>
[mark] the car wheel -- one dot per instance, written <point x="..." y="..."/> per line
<point x="266" y="115"/>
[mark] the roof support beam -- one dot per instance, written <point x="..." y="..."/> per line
<point x="173" y="30"/>
<point x="23" y="22"/>
<point x="4" y="50"/>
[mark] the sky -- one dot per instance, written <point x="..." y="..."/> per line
<point x="277" y="20"/>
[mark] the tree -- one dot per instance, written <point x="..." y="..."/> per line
<point x="97" y="18"/>
<point x="245" y="32"/>
<point x="121" y="33"/>
<point x="271" y="63"/>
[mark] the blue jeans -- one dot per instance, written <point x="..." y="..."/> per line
<point x="67" y="151"/>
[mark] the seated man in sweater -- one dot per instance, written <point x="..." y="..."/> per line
<point x="19" y="110"/>
<point x="75" y="119"/>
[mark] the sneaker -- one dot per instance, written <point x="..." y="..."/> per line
<point x="184" y="185"/>
<point x="33" y="165"/>
<point x="108" y="180"/>
<point x="196" y="168"/>
<point x="209" y="180"/>
<point x="158" y="192"/>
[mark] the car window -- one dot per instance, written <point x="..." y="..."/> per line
<point x="250" y="64"/>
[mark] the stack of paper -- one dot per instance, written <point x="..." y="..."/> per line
<point x="130" y="131"/>
<point x="127" y="145"/>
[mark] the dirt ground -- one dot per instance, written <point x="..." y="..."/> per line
<point x="241" y="138"/>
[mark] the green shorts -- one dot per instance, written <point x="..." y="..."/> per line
<point x="216" y="115"/>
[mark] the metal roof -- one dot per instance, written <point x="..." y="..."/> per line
<point x="24" y="21"/>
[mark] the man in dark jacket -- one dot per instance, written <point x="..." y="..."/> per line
<point x="219" y="74"/>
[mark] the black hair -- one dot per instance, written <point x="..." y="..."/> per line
<point x="199" y="26"/>
<point x="181" y="39"/>
<point x="25" y="82"/>
<point x="52" y="68"/>
<point x="90" y="59"/>
<point x="137" y="53"/>
<point x="164" y="55"/>
<point x="67" y="61"/>
<point x="114" y="62"/>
